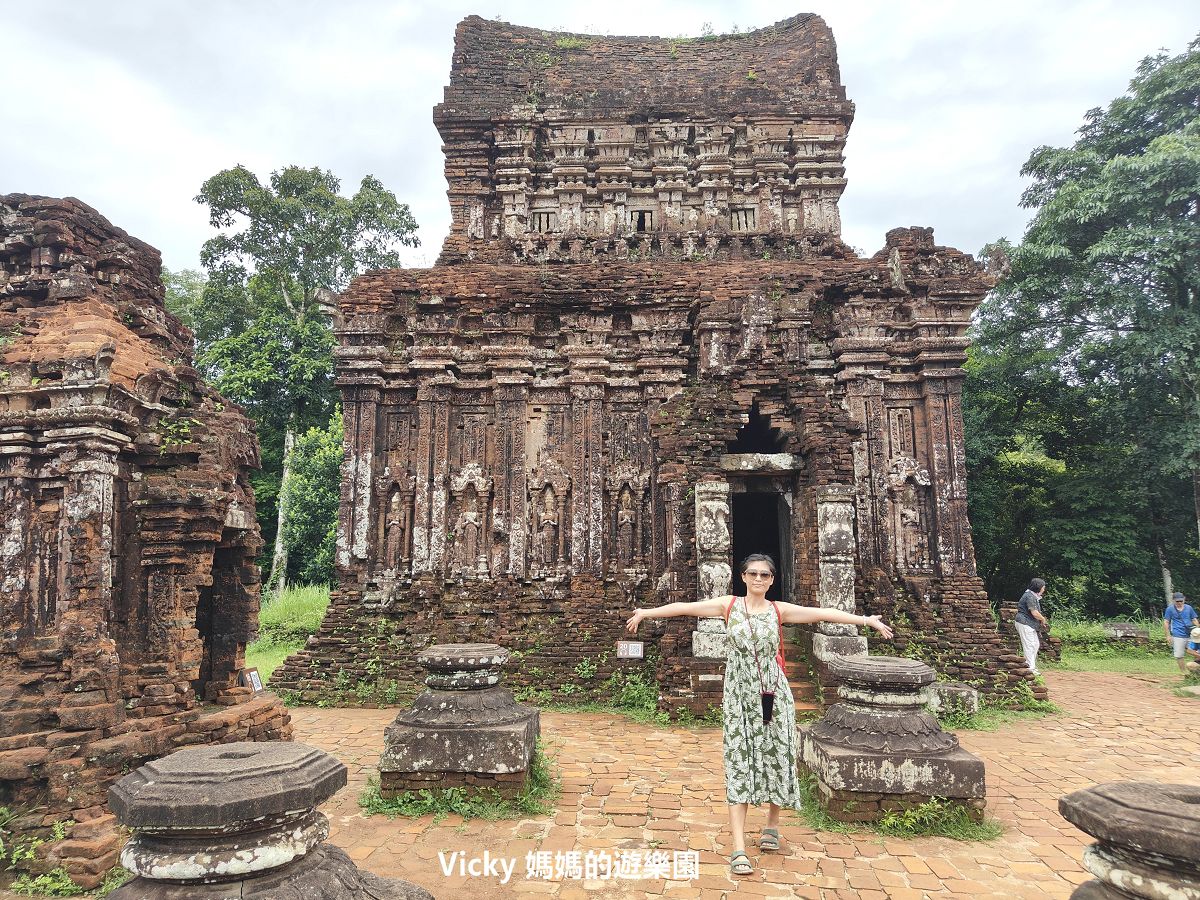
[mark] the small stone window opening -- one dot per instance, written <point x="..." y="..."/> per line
<point x="743" y="219"/>
<point x="544" y="221"/>
<point x="757" y="436"/>
<point x="642" y="220"/>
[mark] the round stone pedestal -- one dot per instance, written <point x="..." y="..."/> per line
<point x="879" y="749"/>
<point x="1148" y="840"/>
<point x="239" y="820"/>
<point x="463" y="730"/>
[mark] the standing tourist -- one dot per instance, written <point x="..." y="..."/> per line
<point x="1029" y="614"/>
<point x="1178" y="620"/>
<point x="758" y="713"/>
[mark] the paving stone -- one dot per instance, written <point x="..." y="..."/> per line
<point x="1020" y="864"/>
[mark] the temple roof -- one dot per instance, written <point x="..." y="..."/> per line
<point x="505" y="71"/>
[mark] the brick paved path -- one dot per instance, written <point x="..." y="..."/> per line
<point x="634" y="786"/>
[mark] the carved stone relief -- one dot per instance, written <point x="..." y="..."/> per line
<point x="471" y="494"/>
<point x="549" y="502"/>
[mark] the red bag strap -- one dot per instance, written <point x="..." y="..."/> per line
<point x="779" y="620"/>
<point x="732" y="600"/>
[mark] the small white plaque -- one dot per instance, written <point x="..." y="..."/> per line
<point x="629" y="650"/>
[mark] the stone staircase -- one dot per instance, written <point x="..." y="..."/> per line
<point x="805" y="692"/>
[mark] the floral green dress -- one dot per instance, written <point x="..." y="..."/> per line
<point x="760" y="760"/>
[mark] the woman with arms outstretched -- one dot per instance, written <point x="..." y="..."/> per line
<point x="758" y="714"/>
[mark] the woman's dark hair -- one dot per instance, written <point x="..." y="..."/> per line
<point x="757" y="557"/>
<point x="1036" y="585"/>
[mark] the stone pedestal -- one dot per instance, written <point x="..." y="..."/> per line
<point x="878" y="749"/>
<point x="240" y="820"/>
<point x="1148" y="840"/>
<point x="952" y="697"/>
<point x="464" y="730"/>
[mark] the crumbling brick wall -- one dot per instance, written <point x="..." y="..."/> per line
<point x="644" y="291"/>
<point x="128" y="587"/>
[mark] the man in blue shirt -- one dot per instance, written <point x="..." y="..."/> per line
<point x="1178" y="621"/>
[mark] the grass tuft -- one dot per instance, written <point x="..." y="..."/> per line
<point x="292" y="616"/>
<point x="937" y="817"/>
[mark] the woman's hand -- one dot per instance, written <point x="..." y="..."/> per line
<point x="633" y="621"/>
<point x="877" y="623"/>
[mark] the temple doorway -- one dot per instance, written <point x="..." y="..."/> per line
<point x="762" y="524"/>
<point x="216" y="610"/>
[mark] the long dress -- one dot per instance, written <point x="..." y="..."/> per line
<point x="760" y="760"/>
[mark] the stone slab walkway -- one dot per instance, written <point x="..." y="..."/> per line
<point x="636" y="787"/>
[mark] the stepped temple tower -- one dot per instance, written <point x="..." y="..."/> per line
<point x="643" y="353"/>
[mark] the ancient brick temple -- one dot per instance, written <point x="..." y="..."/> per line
<point x="644" y="353"/>
<point x="128" y="587"/>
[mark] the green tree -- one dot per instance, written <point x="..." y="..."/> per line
<point x="284" y="249"/>
<point x="1085" y="379"/>
<point x="313" y="494"/>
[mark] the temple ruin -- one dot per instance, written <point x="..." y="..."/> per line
<point x="128" y="584"/>
<point x="644" y="353"/>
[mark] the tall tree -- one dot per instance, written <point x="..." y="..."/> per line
<point x="284" y="249"/>
<point x="1093" y="339"/>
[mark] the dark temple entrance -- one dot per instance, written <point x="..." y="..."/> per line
<point x="761" y="525"/>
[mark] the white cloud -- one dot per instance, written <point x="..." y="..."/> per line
<point x="131" y="104"/>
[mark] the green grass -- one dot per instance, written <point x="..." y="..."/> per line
<point x="936" y="817"/>
<point x="994" y="712"/>
<point x="1162" y="664"/>
<point x="628" y="694"/>
<point x="538" y="798"/>
<point x="294" y="615"/>
<point x="991" y="718"/>
<point x="269" y="657"/>
<point x="284" y="624"/>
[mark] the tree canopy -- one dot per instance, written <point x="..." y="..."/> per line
<point x="1084" y="388"/>
<point x="262" y="318"/>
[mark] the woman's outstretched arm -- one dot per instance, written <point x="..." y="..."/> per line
<point x="791" y="614"/>
<point x="702" y="608"/>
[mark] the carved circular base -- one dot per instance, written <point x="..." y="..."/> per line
<point x="325" y="874"/>
<point x="207" y="856"/>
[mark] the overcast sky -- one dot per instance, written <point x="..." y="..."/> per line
<point x="131" y="104"/>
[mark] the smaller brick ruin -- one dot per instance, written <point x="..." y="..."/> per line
<point x="128" y="586"/>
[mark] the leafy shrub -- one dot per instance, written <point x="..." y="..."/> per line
<point x="312" y="494"/>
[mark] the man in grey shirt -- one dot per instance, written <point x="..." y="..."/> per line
<point x="1029" y="614"/>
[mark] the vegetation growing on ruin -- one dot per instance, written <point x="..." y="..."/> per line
<point x="537" y="799"/>
<point x="937" y="817"/>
